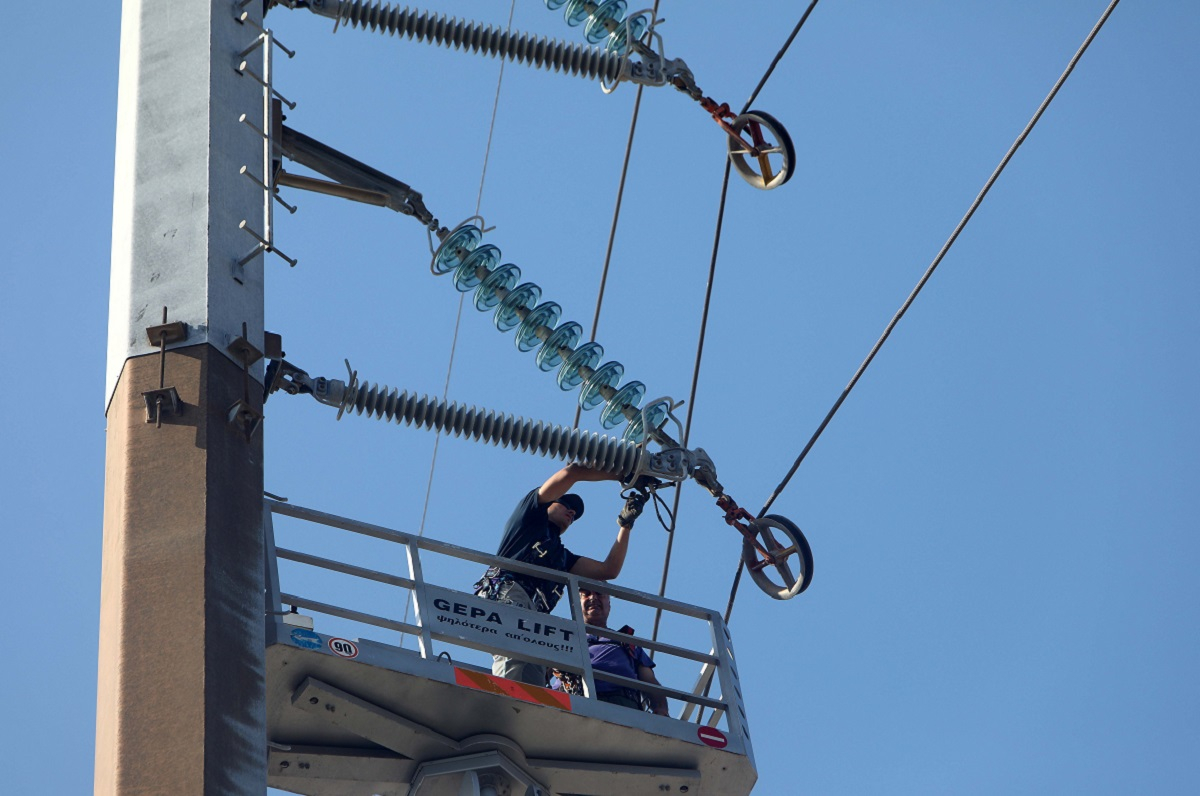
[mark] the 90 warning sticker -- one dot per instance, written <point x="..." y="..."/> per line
<point x="343" y="647"/>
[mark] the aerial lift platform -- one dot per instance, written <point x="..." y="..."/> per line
<point x="356" y="717"/>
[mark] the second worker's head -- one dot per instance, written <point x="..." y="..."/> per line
<point x="565" y="511"/>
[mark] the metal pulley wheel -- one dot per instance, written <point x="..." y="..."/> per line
<point x="762" y="133"/>
<point x="787" y="568"/>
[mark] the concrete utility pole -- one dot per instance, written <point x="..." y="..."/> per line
<point x="181" y="707"/>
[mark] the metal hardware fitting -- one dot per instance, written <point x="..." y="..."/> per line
<point x="161" y="335"/>
<point x="245" y="19"/>
<point x="245" y="418"/>
<point x="353" y="179"/>
<point x="164" y="398"/>
<point x="273" y="345"/>
<point x="242" y="415"/>
<point x="243" y="69"/>
<point x="245" y="172"/>
<point x="264" y="245"/>
<point x="167" y="333"/>
<point x="243" y="350"/>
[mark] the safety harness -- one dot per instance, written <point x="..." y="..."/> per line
<point x="488" y="587"/>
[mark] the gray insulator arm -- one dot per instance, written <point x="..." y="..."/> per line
<point x="524" y="48"/>
<point x="608" y="454"/>
<point x="627" y="461"/>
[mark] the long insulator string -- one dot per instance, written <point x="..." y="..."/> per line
<point x="551" y="54"/>
<point x="607" y="454"/>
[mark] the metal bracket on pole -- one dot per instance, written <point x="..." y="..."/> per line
<point x="242" y="415"/>
<point x="164" y="396"/>
<point x="167" y="333"/>
<point x="245" y="418"/>
<point x="274" y="344"/>
<point x="243" y="350"/>
<point x="352" y="179"/>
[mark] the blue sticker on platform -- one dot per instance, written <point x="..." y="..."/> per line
<point x="306" y="638"/>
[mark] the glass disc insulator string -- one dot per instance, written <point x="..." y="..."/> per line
<point x="605" y="22"/>
<point x="476" y="266"/>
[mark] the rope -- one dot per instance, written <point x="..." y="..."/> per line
<point x="487" y="152"/>
<point x="712" y="270"/>
<point x="929" y="272"/>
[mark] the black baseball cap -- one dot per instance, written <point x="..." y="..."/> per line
<point x="573" y="502"/>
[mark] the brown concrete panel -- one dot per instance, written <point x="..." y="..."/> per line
<point x="180" y="694"/>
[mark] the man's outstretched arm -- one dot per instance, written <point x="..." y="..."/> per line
<point x="610" y="567"/>
<point x="561" y="482"/>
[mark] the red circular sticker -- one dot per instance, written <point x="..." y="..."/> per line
<point x="348" y="649"/>
<point x="712" y="736"/>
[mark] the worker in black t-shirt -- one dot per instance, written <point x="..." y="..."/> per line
<point x="533" y="535"/>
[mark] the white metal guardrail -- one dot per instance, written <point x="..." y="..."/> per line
<point x="452" y="616"/>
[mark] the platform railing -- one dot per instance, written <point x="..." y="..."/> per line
<point x="447" y="615"/>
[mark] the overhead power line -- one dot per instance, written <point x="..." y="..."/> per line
<point x="928" y="273"/>
<point x="708" y="291"/>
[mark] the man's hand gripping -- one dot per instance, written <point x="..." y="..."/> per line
<point x="635" y="499"/>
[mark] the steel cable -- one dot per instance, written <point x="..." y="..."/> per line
<point x="779" y="56"/>
<point x="928" y="273"/>
<point x="712" y="270"/>
<point x="942" y="253"/>
<point x="691" y="403"/>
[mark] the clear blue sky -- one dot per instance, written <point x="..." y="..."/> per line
<point x="1005" y="598"/>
